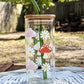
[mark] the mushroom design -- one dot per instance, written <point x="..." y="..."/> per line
<point x="29" y="40"/>
<point x="45" y="56"/>
<point x="45" y="49"/>
<point x="31" y="33"/>
<point x="31" y="65"/>
<point x="37" y="46"/>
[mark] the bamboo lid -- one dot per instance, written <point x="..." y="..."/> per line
<point x="45" y="16"/>
<point x="40" y="19"/>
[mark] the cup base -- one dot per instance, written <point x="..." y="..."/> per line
<point x="40" y="81"/>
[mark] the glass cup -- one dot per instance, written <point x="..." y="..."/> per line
<point x="40" y="47"/>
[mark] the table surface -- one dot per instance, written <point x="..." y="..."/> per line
<point x="74" y="75"/>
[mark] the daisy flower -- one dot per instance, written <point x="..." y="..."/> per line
<point x="31" y="51"/>
<point x="46" y="67"/>
<point x="44" y="34"/>
<point x="38" y="61"/>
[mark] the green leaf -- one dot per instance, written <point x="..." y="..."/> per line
<point x="37" y="9"/>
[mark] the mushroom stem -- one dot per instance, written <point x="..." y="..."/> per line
<point x="45" y="56"/>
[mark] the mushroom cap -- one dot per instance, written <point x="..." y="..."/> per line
<point x="31" y="65"/>
<point x="45" y="49"/>
<point x="31" y="33"/>
<point x="37" y="46"/>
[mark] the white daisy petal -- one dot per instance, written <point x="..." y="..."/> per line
<point x="38" y="61"/>
<point x="44" y="34"/>
<point x="46" y="67"/>
<point x="31" y="51"/>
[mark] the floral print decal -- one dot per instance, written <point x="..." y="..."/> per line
<point x="31" y="65"/>
<point x="31" y="51"/>
<point x="37" y="46"/>
<point x="46" y="67"/>
<point x="31" y="33"/>
<point x="38" y="61"/>
<point x="44" y="34"/>
<point x="45" y="49"/>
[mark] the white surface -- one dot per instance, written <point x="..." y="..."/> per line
<point x="75" y="75"/>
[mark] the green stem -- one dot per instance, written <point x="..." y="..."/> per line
<point x="43" y="60"/>
<point x="44" y="75"/>
<point x="41" y="44"/>
<point x="37" y="9"/>
<point x="35" y="41"/>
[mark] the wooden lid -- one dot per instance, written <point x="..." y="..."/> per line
<point x="40" y="19"/>
<point x="36" y="23"/>
<point x="45" y="16"/>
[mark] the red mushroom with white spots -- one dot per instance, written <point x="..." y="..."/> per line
<point x="45" y="49"/>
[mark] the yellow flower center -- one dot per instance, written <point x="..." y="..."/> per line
<point x="30" y="51"/>
<point x="44" y="34"/>
<point x="46" y="67"/>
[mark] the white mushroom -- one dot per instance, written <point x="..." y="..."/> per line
<point x="37" y="46"/>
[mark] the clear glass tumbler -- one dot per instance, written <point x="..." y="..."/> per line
<point x="40" y="47"/>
